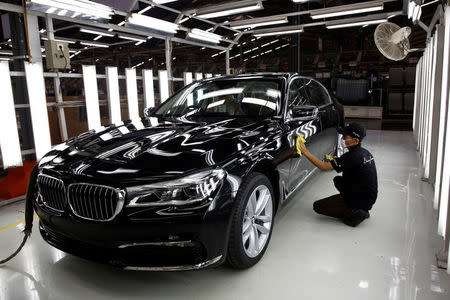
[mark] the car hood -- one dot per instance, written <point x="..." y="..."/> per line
<point x="154" y="149"/>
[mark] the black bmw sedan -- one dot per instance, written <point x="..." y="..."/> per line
<point x="195" y="183"/>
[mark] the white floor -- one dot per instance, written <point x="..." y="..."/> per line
<point x="390" y="256"/>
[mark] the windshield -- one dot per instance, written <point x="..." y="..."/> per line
<point x="240" y="97"/>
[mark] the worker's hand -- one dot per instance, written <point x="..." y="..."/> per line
<point x="301" y="146"/>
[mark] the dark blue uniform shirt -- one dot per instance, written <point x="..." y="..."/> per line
<point x="360" y="182"/>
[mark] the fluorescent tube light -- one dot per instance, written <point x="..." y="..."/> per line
<point x="353" y="24"/>
<point x="258" y="22"/>
<point x="198" y="76"/>
<point x="91" y="95"/>
<point x="132" y="94"/>
<point x="44" y="38"/>
<point x="344" y="10"/>
<point x="153" y="23"/>
<point x="204" y="36"/>
<point x="163" y="1"/>
<point x="149" y="94"/>
<point x="163" y="85"/>
<point x="208" y="75"/>
<point x="6" y="53"/>
<point x="231" y="8"/>
<point x="92" y="44"/>
<point x="112" y="85"/>
<point x="92" y="31"/>
<point x="83" y="9"/>
<point x="278" y="31"/>
<point x="131" y="38"/>
<point x="145" y="9"/>
<point x="38" y="108"/>
<point x="9" y="136"/>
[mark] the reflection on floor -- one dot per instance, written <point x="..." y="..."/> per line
<point x="390" y="256"/>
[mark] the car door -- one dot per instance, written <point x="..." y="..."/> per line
<point x="327" y="137"/>
<point x="300" y="165"/>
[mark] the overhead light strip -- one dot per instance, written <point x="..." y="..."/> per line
<point x="94" y="44"/>
<point x="344" y="10"/>
<point x="92" y="31"/>
<point x="250" y="23"/>
<point x="279" y="32"/>
<point x="356" y="24"/>
<point x="131" y="38"/>
<point x="153" y="23"/>
<point x="83" y="9"/>
<point x="232" y="8"/>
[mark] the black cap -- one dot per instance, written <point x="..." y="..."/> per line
<point x="354" y="130"/>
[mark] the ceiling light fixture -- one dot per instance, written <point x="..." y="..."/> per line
<point x="257" y="22"/>
<point x="202" y="35"/>
<point x="349" y="9"/>
<point x="353" y="22"/>
<point x="152" y="23"/>
<point x="231" y="8"/>
<point x="59" y="40"/>
<point x="163" y="1"/>
<point x="144" y="10"/>
<point x="83" y="9"/>
<point x="131" y="38"/>
<point x="98" y="32"/>
<point x="94" y="44"/>
<point x="278" y="31"/>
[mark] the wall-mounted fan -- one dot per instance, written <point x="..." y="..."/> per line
<point x="392" y="41"/>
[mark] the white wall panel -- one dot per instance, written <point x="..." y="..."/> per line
<point x="91" y="95"/>
<point x="38" y="108"/>
<point x="163" y="85"/>
<point x="187" y="76"/>
<point x="9" y="135"/>
<point x="445" y="180"/>
<point x="112" y="84"/>
<point x="132" y="94"/>
<point x="149" y="93"/>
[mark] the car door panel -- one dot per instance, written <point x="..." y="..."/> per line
<point x="300" y="166"/>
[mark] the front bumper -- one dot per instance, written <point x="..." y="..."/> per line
<point x="173" y="243"/>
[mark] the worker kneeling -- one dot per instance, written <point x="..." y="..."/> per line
<point x="358" y="185"/>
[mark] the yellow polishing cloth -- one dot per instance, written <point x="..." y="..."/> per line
<point x="302" y="139"/>
<point x="329" y="158"/>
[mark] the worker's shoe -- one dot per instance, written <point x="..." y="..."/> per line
<point x="356" y="217"/>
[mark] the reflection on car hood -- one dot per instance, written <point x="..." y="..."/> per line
<point x="156" y="149"/>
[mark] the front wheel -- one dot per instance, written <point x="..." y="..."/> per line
<point x="252" y="222"/>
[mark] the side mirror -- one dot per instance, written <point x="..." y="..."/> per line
<point x="304" y="113"/>
<point x="149" y="111"/>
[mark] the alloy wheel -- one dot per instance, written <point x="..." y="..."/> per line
<point x="257" y="222"/>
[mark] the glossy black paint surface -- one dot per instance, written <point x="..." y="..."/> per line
<point x="156" y="149"/>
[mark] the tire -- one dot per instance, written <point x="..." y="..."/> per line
<point x="241" y="254"/>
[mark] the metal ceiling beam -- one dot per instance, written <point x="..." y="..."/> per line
<point x="19" y="9"/>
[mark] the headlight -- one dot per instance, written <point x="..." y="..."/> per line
<point x="194" y="188"/>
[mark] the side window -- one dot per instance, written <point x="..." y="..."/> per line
<point x="297" y="94"/>
<point x="317" y="93"/>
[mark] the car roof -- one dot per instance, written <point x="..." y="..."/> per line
<point x="285" y="75"/>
